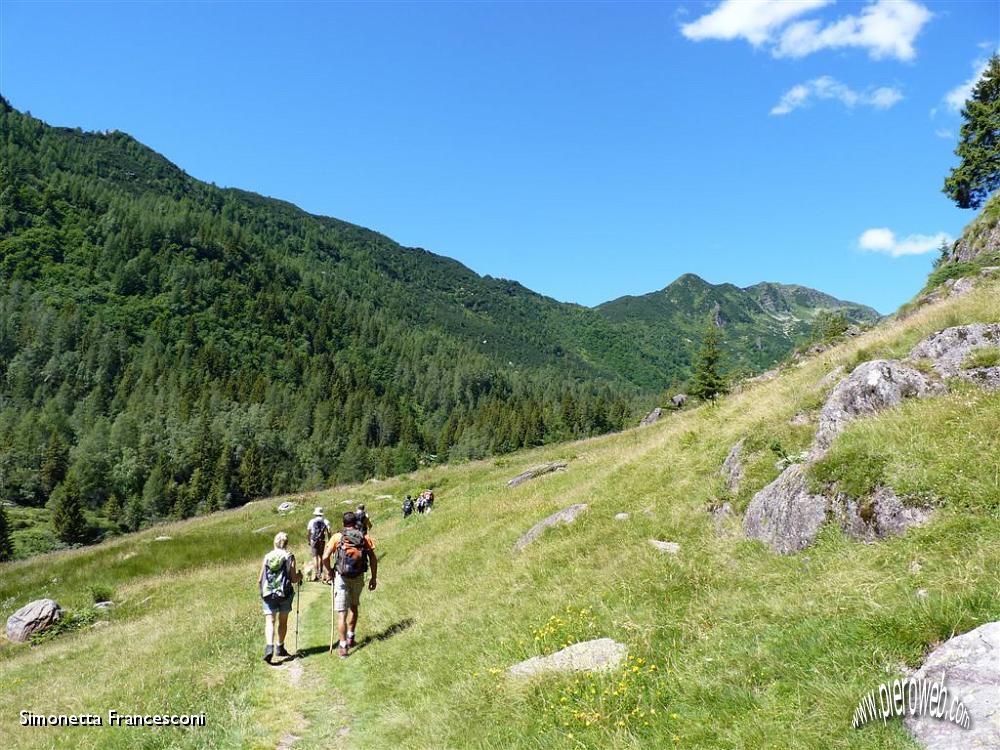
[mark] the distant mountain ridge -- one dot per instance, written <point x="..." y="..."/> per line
<point x="760" y="323"/>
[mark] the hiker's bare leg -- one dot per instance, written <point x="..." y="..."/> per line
<point x="352" y="620"/>
<point x="342" y="626"/>
<point x="282" y="626"/>
<point x="269" y="629"/>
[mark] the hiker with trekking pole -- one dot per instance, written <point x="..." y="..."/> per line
<point x="348" y="555"/>
<point x="276" y="582"/>
<point x="317" y="533"/>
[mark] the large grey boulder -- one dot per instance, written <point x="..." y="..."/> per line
<point x="652" y="417"/>
<point x="601" y="655"/>
<point x="679" y="400"/>
<point x="564" y="516"/>
<point x="882" y="515"/>
<point x="785" y="515"/>
<point x="732" y="468"/>
<point x="536" y="471"/>
<point x="33" y="617"/>
<point x="947" y="351"/>
<point x="872" y="387"/>
<point x="969" y="666"/>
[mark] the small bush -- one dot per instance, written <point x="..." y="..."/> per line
<point x="100" y="592"/>
<point x="70" y="621"/>
<point x="986" y="356"/>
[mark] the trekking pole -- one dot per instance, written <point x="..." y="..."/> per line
<point x="298" y="599"/>
<point x="333" y="618"/>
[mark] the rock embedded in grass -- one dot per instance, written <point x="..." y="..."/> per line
<point x="949" y="349"/>
<point x="732" y="467"/>
<point x="872" y="387"/>
<point x="652" y="417"/>
<point x="537" y="471"/>
<point x="621" y="516"/>
<point x="286" y="506"/>
<point x="968" y="666"/>
<point x="670" y="547"/>
<point x="785" y="515"/>
<point x="564" y="516"/>
<point x="601" y="655"/>
<point x="880" y="516"/>
<point x="163" y="539"/>
<point x="33" y="617"/>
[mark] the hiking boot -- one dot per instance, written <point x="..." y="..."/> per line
<point x="343" y="652"/>
<point x="351" y="643"/>
<point x="268" y="653"/>
<point x="281" y="652"/>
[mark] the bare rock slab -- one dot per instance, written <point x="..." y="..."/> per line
<point x="564" y="516"/>
<point x="785" y="515"/>
<point x="732" y="468"/>
<point x="947" y="351"/>
<point x="671" y="548"/>
<point x="537" y="471"/>
<point x="969" y="666"/>
<point x="601" y="655"/>
<point x="33" y="617"/>
<point x="651" y="418"/>
<point x="884" y="515"/>
<point x="871" y="388"/>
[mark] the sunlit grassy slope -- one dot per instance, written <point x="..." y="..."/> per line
<point x="730" y="646"/>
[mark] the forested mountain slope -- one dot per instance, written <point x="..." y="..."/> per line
<point x="168" y="347"/>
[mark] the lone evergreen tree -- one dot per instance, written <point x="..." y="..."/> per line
<point x="972" y="181"/>
<point x="68" y="520"/>
<point x="6" y="546"/>
<point x="708" y="381"/>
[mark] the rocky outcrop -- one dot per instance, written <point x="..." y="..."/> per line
<point x="948" y="352"/>
<point x="679" y="400"/>
<point x="785" y="515"/>
<point x="32" y="618"/>
<point x="967" y="665"/>
<point x="537" y="471"/>
<point x="732" y="468"/>
<point x="882" y="515"/>
<point x="564" y="516"/>
<point x="872" y="387"/>
<point x="285" y="507"/>
<point x="652" y="417"/>
<point x="601" y="655"/>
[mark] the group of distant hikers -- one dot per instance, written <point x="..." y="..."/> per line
<point x="423" y="504"/>
<point x="340" y="559"/>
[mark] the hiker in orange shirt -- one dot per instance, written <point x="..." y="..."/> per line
<point x="348" y="554"/>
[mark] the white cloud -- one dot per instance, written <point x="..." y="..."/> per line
<point x="958" y="96"/>
<point x="886" y="28"/>
<point x="826" y="87"/>
<point x="883" y="240"/>
<point x="753" y="20"/>
<point x="944" y="133"/>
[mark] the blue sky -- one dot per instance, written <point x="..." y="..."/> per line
<point x="587" y="150"/>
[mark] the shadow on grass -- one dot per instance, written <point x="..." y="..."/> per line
<point x="383" y="635"/>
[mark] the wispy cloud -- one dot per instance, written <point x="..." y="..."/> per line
<point x="885" y="28"/>
<point x="827" y="87"/>
<point x="958" y="96"/>
<point x="883" y="240"/>
<point x="944" y="133"/>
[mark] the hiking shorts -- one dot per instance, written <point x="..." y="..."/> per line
<point x="347" y="592"/>
<point x="284" y="606"/>
<point x="317" y="547"/>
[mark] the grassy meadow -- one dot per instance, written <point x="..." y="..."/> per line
<point x="730" y="646"/>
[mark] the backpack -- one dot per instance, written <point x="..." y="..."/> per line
<point x="317" y="529"/>
<point x="277" y="582"/>
<point x="352" y="557"/>
<point x="408" y="506"/>
<point x="364" y="523"/>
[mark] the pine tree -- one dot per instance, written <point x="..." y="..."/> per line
<point x="971" y="182"/>
<point x="708" y="381"/>
<point x="6" y="545"/>
<point x="68" y="520"/>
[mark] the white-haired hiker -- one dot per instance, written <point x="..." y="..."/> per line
<point x="276" y="581"/>
<point x="317" y="533"/>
